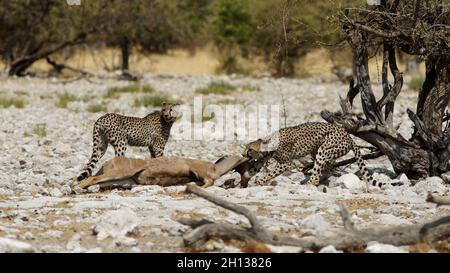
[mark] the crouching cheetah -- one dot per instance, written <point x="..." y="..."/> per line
<point x="325" y="142"/>
<point x="151" y="131"/>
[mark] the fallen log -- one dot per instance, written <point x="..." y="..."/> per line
<point x="348" y="237"/>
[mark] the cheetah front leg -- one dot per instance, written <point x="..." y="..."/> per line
<point x="279" y="169"/>
<point x="158" y="148"/>
<point x="152" y="153"/>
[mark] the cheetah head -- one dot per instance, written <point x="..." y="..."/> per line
<point x="262" y="147"/>
<point x="169" y="111"/>
<point x="253" y="149"/>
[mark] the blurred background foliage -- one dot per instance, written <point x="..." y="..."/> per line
<point x="276" y="32"/>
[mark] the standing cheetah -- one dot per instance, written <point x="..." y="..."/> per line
<point x="324" y="141"/>
<point x="152" y="131"/>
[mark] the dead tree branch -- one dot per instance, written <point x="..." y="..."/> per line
<point x="400" y="25"/>
<point x="341" y="163"/>
<point x="59" y="67"/>
<point x="349" y="237"/>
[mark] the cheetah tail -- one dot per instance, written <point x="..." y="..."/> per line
<point x="368" y="178"/>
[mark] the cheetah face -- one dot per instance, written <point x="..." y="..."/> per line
<point x="253" y="150"/>
<point x="170" y="111"/>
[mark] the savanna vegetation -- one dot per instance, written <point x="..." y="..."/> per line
<point x="279" y="31"/>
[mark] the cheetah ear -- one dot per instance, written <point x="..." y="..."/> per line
<point x="164" y="104"/>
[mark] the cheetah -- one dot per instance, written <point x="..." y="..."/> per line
<point x="120" y="131"/>
<point x="325" y="142"/>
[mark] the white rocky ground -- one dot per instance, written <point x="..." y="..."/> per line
<point x="38" y="213"/>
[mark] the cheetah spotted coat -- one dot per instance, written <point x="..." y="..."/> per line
<point x="152" y="131"/>
<point x="325" y="142"/>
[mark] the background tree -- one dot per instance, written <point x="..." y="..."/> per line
<point x="232" y="30"/>
<point x="34" y="29"/>
<point x="287" y="30"/>
<point x="419" y="28"/>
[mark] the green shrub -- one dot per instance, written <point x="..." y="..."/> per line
<point x="204" y="116"/>
<point x="227" y="101"/>
<point x="95" y="108"/>
<point x="217" y="88"/>
<point x="155" y="100"/>
<point x="250" y="88"/>
<point x="7" y="102"/>
<point x="114" y="92"/>
<point x="40" y="130"/>
<point x="64" y="99"/>
<point x="208" y="118"/>
<point x="416" y="83"/>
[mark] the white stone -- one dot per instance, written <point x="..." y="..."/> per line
<point x="135" y="250"/>
<point x="431" y="184"/>
<point x="28" y="236"/>
<point x="95" y="250"/>
<point x="315" y="222"/>
<point x="66" y="190"/>
<point x="284" y="249"/>
<point x="6" y="192"/>
<point x="126" y="241"/>
<point x="13" y="246"/>
<point x="55" y="192"/>
<point x="330" y="249"/>
<point x="446" y="177"/>
<point x="350" y="181"/>
<point x="403" y="178"/>
<point x="117" y="223"/>
<point x="94" y="188"/>
<point x="375" y="247"/>
<point x="74" y="243"/>
<point x="389" y="219"/>
<point x="55" y="234"/>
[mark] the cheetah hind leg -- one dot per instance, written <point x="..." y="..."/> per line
<point x="362" y="168"/>
<point x="327" y="153"/>
<point x="279" y="169"/>
<point x="120" y="147"/>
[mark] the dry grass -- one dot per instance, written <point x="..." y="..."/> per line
<point x="64" y="99"/>
<point x="95" y="108"/>
<point x="40" y="130"/>
<point x="155" y="101"/>
<point x="364" y="203"/>
<point x="250" y="88"/>
<point x="416" y="83"/>
<point x="6" y="102"/>
<point x="114" y="92"/>
<point x="217" y="88"/>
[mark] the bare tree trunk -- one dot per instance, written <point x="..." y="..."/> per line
<point x="435" y="95"/>
<point x="428" y="152"/>
<point x="126" y="51"/>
